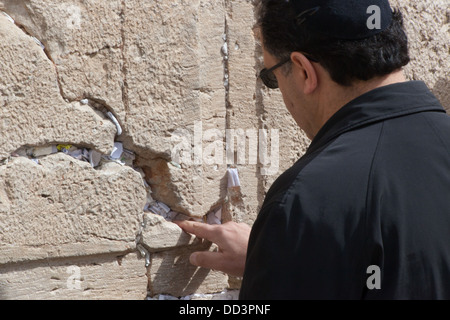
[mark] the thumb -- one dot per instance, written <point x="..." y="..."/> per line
<point x="207" y="259"/>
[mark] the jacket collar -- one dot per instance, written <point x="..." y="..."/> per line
<point x="380" y="104"/>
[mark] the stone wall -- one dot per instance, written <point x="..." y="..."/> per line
<point x="112" y="118"/>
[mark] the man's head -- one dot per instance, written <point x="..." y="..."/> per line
<point x="327" y="44"/>
<point x="336" y="33"/>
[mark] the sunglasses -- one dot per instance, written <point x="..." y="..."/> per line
<point x="268" y="77"/>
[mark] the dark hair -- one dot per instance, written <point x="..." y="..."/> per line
<point x="345" y="60"/>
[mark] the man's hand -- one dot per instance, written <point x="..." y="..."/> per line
<point x="232" y="240"/>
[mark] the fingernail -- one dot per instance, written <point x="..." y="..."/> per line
<point x="193" y="258"/>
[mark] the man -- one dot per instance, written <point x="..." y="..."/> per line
<point x="365" y="213"/>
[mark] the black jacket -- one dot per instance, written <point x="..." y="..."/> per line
<point x="372" y="191"/>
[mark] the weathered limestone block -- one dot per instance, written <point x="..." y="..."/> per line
<point x="244" y="110"/>
<point x="32" y="111"/>
<point x="171" y="273"/>
<point x="105" y="277"/>
<point x="176" y="75"/>
<point x="428" y="27"/>
<point x="193" y="190"/>
<point x="159" y="235"/>
<point x="174" y="81"/>
<point x="64" y="208"/>
<point x="84" y="40"/>
<point x="293" y="141"/>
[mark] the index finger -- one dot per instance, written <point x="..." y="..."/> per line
<point x="201" y="230"/>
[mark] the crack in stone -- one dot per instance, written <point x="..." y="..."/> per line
<point x="46" y="52"/>
<point x="225" y="53"/>
<point x="93" y="53"/>
<point x="125" y="98"/>
<point x="228" y="106"/>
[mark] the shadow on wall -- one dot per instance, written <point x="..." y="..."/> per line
<point x="175" y="275"/>
<point x="442" y="91"/>
<point x="2" y="293"/>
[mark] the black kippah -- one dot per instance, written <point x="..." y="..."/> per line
<point x="343" y="19"/>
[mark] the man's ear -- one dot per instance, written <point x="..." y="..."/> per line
<point x="305" y="68"/>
